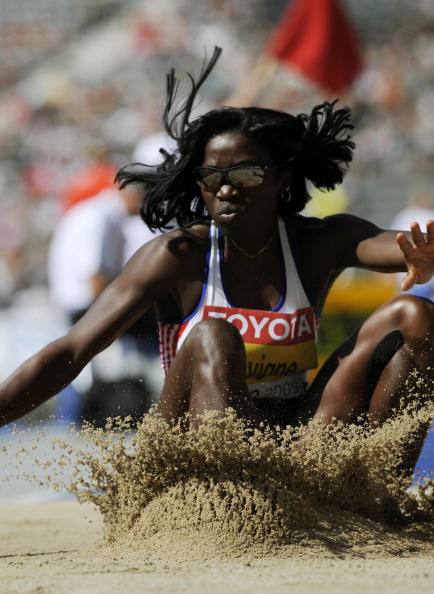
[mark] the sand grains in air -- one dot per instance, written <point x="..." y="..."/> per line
<point x="223" y="490"/>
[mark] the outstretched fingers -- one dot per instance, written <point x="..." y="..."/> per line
<point x="407" y="248"/>
<point x="409" y="280"/>
<point x="430" y="231"/>
<point x="404" y="244"/>
<point x="412" y="255"/>
<point x="417" y="235"/>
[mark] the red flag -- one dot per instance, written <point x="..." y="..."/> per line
<point x="317" y="37"/>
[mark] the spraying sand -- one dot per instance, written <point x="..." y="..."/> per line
<point x="225" y="507"/>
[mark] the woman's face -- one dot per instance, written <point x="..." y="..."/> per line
<point x="235" y="208"/>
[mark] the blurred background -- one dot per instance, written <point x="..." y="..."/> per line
<point x="82" y="90"/>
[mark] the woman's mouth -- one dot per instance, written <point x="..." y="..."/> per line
<point x="230" y="210"/>
<point x="229" y="215"/>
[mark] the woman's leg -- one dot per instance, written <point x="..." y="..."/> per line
<point x="370" y="371"/>
<point x="208" y="373"/>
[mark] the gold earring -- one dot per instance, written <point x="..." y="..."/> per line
<point x="285" y="194"/>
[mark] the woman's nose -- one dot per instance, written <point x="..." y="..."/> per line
<point x="226" y="191"/>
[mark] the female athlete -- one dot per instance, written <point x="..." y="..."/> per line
<point x="240" y="286"/>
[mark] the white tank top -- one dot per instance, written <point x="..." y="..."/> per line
<point x="280" y="343"/>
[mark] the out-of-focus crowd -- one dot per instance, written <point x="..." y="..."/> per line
<point x="84" y="86"/>
<point x="82" y="91"/>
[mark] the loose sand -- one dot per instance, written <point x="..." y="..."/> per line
<point x="221" y="507"/>
<point x="47" y="548"/>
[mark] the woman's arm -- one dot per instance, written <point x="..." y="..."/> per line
<point x="364" y="245"/>
<point x="145" y="277"/>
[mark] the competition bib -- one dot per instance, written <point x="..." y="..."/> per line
<point x="278" y="345"/>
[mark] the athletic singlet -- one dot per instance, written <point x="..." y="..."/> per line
<point x="280" y="344"/>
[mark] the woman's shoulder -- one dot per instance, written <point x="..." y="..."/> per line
<point x="336" y="224"/>
<point x="300" y="227"/>
<point x="187" y="239"/>
<point x="178" y="248"/>
<point x="170" y="257"/>
<point x="327" y="238"/>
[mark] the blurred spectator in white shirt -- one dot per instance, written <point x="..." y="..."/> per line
<point x="88" y="250"/>
<point x="76" y="251"/>
<point x="92" y="242"/>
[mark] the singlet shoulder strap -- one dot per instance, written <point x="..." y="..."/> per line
<point x="215" y="294"/>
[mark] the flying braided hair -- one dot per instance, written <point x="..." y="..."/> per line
<point x="315" y="147"/>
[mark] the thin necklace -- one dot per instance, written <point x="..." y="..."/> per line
<point x="259" y="252"/>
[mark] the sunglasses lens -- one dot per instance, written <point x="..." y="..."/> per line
<point x="208" y="179"/>
<point x="239" y="177"/>
<point x="246" y="177"/>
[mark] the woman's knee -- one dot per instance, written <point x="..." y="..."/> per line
<point x="215" y="338"/>
<point x="409" y="308"/>
<point x="414" y="316"/>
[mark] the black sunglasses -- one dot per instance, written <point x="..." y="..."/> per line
<point x="240" y="176"/>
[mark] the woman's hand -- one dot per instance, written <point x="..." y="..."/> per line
<point x="418" y="256"/>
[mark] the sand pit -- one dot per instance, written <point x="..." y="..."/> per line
<point x="47" y="548"/>
<point x="222" y="507"/>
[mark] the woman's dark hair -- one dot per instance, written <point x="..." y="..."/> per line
<point x="316" y="147"/>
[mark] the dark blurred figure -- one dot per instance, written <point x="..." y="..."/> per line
<point x="91" y="243"/>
